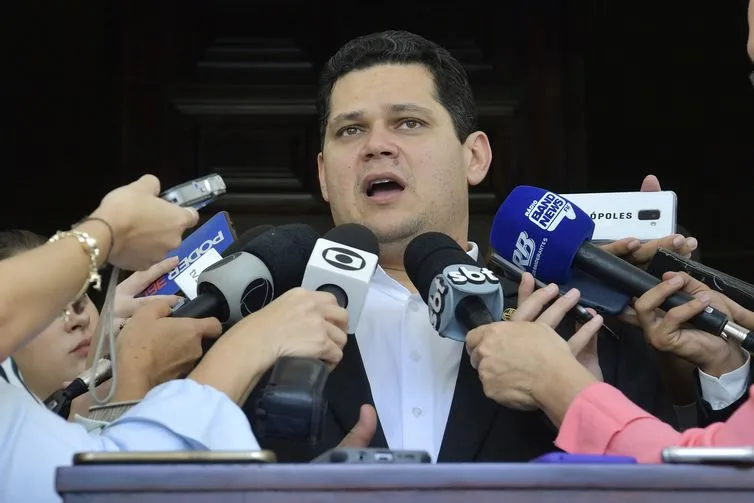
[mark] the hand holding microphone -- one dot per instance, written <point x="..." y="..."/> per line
<point x="546" y="235"/>
<point x="669" y="332"/>
<point x="292" y="404"/>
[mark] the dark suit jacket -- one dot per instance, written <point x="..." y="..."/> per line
<point x="478" y="429"/>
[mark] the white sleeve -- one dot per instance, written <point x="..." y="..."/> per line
<point x="178" y="415"/>
<point x="721" y="392"/>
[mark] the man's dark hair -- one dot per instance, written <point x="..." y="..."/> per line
<point x="452" y="89"/>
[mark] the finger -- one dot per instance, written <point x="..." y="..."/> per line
<point x="530" y="309"/>
<point x="526" y="287"/>
<point x="628" y="315"/>
<point x="208" y="327"/>
<point x="679" y="315"/>
<point x="323" y="299"/>
<point x="331" y="353"/>
<point x="622" y="247"/>
<point x="554" y="314"/>
<point x="153" y="310"/>
<point x="584" y="335"/>
<point x="337" y="335"/>
<point x="650" y="184"/>
<point x="149" y="184"/>
<point x="474" y="359"/>
<point x="473" y="338"/>
<point x="647" y="251"/>
<point x="691" y="285"/>
<point x="646" y="305"/>
<point x="336" y="315"/>
<point x="362" y="433"/>
<point x="138" y="281"/>
<point x="192" y="217"/>
<point x="685" y="247"/>
<point x="143" y="301"/>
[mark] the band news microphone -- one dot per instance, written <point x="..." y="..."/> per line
<point x="292" y="404"/>
<point x="546" y="235"/>
<point x="459" y="294"/>
<point x="60" y="401"/>
<point x="248" y="280"/>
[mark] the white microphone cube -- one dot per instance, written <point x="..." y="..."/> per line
<point x="345" y="267"/>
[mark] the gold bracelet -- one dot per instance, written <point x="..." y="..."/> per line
<point x="90" y="247"/>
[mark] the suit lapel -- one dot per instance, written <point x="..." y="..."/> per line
<point x="470" y="418"/>
<point x="348" y="388"/>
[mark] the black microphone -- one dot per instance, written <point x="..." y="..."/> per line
<point x="60" y="401"/>
<point x="248" y="280"/>
<point x="547" y="235"/>
<point x="459" y="294"/>
<point x="292" y="404"/>
<point x="245" y="238"/>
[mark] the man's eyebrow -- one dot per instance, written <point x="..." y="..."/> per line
<point x="349" y="116"/>
<point x="396" y="108"/>
<point x="410" y="107"/>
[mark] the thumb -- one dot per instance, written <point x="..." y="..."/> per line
<point x="154" y="309"/>
<point x="149" y="184"/>
<point x="650" y="184"/>
<point x="361" y="434"/>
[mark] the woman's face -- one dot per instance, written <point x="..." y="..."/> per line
<point x="59" y="352"/>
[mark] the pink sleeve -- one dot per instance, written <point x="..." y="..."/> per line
<point x="601" y="420"/>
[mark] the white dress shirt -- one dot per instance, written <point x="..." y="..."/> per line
<point x="412" y="371"/>
<point x="178" y="415"/>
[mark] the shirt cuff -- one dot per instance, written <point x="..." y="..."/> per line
<point x="721" y="392"/>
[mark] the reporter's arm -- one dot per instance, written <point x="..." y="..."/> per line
<point x="178" y="415"/>
<point x="601" y="420"/>
<point x="47" y="278"/>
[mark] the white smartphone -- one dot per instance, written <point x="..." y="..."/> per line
<point x="709" y="455"/>
<point x="617" y="215"/>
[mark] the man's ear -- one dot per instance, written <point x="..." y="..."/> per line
<point x="321" y="175"/>
<point x="478" y="157"/>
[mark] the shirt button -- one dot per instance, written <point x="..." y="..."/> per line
<point x="414" y="307"/>
<point x="415" y="356"/>
<point x="416" y="411"/>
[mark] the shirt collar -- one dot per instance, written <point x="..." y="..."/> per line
<point x="382" y="278"/>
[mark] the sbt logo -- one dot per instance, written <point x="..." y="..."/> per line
<point x="436" y="300"/>
<point x="195" y="254"/>
<point x="471" y="274"/>
<point x="524" y="251"/>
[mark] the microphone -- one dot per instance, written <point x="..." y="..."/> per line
<point x="343" y="262"/>
<point x="248" y="280"/>
<point x="545" y="234"/>
<point x="60" y="401"/>
<point x="245" y="238"/>
<point x="459" y="294"/>
<point x="292" y="404"/>
<point x="214" y="237"/>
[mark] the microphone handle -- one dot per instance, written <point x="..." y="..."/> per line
<point x="472" y="312"/>
<point x="205" y="304"/>
<point x="615" y="271"/>
<point x="293" y="404"/>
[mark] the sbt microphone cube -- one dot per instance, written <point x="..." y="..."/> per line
<point x="451" y="287"/>
<point x="343" y="271"/>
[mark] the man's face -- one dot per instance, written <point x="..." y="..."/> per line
<point x="391" y="159"/>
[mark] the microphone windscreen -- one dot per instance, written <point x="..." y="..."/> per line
<point x="540" y="232"/>
<point x="285" y="250"/>
<point x="246" y="237"/>
<point x="354" y="235"/>
<point x="427" y="255"/>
